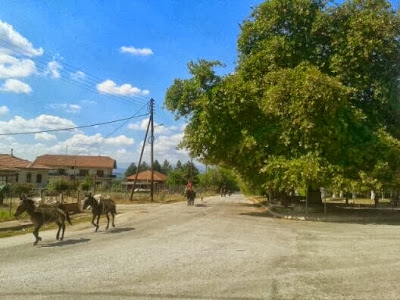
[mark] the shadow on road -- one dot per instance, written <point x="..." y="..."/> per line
<point x="65" y="243"/>
<point x="250" y="204"/>
<point x="119" y="230"/>
<point x="258" y="214"/>
<point x="363" y="217"/>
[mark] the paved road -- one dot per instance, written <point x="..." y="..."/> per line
<point x="225" y="248"/>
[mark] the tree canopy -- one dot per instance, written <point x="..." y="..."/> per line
<point x="313" y="101"/>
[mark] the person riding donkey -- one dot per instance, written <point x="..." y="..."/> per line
<point x="190" y="193"/>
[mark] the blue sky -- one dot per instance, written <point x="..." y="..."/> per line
<point x="71" y="63"/>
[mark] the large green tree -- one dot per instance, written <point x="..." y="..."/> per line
<point x="314" y="100"/>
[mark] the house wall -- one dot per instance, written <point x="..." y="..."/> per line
<point x="38" y="178"/>
<point x="78" y="171"/>
<point x="103" y="176"/>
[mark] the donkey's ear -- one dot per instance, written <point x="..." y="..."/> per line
<point x="22" y="197"/>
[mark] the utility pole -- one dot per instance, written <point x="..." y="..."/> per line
<point x="152" y="147"/>
<point x="141" y="153"/>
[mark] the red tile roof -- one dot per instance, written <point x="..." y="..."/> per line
<point x="12" y="163"/>
<point x="80" y="161"/>
<point x="146" y="176"/>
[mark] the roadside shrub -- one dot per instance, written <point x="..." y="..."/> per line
<point x="21" y="188"/>
<point x="61" y="185"/>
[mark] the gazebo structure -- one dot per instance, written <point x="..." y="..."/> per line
<point x="143" y="182"/>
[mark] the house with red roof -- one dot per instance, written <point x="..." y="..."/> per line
<point x="79" y="167"/>
<point x="18" y="170"/>
<point x="143" y="181"/>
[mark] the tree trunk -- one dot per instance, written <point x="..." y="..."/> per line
<point x="376" y="199"/>
<point x="314" y="196"/>
<point x="271" y="196"/>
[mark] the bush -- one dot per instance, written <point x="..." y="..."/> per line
<point x="61" y="185"/>
<point x="21" y="188"/>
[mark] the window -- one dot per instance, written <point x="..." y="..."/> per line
<point x="38" y="178"/>
<point x="61" y="171"/>
<point x="100" y="173"/>
<point x="29" y="177"/>
<point x="83" y="172"/>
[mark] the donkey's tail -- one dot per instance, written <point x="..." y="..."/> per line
<point x="68" y="218"/>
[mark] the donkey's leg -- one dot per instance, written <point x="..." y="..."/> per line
<point x="36" y="234"/>
<point x="63" y="230"/>
<point x="113" y="216"/>
<point x="108" y="220"/>
<point x="97" y="223"/>
<point x="94" y="216"/>
<point x="59" y="229"/>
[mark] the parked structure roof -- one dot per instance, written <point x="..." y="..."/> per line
<point x="79" y="161"/>
<point x="146" y="176"/>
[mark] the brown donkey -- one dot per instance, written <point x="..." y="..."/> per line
<point x="42" y="215"/>
<point x="101" y="207"/>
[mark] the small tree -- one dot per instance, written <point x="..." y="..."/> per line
<point x="132" y="169"/>
<point x="62" y="185"/>
<point x="21" y="188"/>
<point x="166" y="167"/>
<point x="157" y="166"/>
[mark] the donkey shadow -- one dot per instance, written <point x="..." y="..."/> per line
<point x="119" y="230"/>
<point x="66" y="243"/>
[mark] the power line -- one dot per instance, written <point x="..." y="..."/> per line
<point x="72" y="128"/>
<point x="112" y="132"/>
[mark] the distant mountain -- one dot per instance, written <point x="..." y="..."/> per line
<point x="119" y="172"/>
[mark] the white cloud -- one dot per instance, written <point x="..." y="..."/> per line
<point x="44" y="136"/>
<point x="15" y="86"/>
<point x="110" y="87"/>
<point x="53" y="68"/>
<point x="77" y="144"/>
<point x="79" y="75"/>
<point x="136" y="51"/>
<point x="4" y="110"/>
<point x="158" y="129"/>
<point x="42" y="122"/>
<point x="166" y="147"/>
<point x="139" y="126"/>
<point x="82" y="140"/>
<point x="69" y="108"/>
<point x="14" y="43"/>
<point x="89" y="102"/>
<point x="13" y="67"/>
<point x="161" y="129"/>
<point x="119" y="140"/>
<point x="73" y="108"/>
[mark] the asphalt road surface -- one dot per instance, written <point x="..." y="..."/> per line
<point x="224" y="248"/>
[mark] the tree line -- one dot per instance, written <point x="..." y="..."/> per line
<point x="180" y="174"/>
